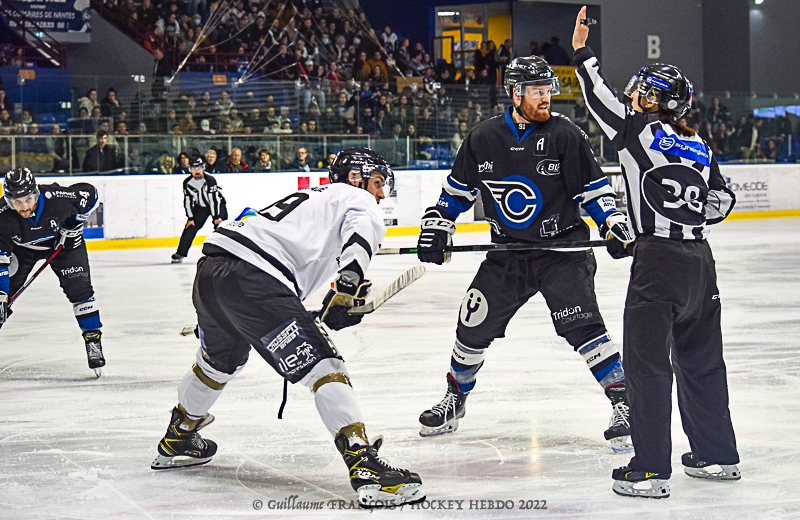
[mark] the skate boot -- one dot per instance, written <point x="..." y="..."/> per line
<point x="443" y="417"/>
<point x="619" y="429"/>
<point x="182" y="446"/>
<point x="630" y="482"/>
<point x="94" y="351"/>
<point x="696" y="468"/>
<point x="176" y="258"/>
<point x="378" y="483"/>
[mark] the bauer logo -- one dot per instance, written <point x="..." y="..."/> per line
<point x="474" y="308"/>
<point x="548" y="167"/>
<point x="517" y="200"/>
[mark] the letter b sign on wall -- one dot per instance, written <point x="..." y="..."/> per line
<point x="653" y="47"/>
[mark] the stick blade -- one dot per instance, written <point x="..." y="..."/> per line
<point x="403" y="281"/>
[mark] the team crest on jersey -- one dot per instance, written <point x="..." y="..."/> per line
<point x="676" y="192"/>
<point x="517" y="199"/>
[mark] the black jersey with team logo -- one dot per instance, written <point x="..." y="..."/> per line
<point x="58" y="206"/>
<point x="532" y="183"/>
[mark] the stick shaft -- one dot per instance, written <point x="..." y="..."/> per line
<point x="37" y="273"/>
<point x="543" y="246"/>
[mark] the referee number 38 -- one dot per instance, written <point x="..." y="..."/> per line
<point x="688" y="198"/>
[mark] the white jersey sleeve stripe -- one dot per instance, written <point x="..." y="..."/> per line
<point x="457" y="189"/>
<point x="718" y="205"/>
<point x="600" y="99"/>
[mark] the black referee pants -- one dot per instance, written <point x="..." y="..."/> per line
<point x="201" y="214"/>
<point x="673" y="309"/>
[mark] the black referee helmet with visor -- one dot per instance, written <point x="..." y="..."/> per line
<point x="663" y="85"/>
<point x="357" y="164"/>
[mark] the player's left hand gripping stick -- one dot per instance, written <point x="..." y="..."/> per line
<point x="347" y="292"/>
<point x="618" y="233"/>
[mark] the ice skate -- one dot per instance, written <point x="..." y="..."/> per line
<point x="378" y="483"/>
<point x="176" y="258"/>
<point x="94" y="351"/>
<point x="443" y="417"/>
<point x="696" y="468"/>
<point x="630" y="482"/>
<point x="182" y="446"/>
<point x="619" y="429"/>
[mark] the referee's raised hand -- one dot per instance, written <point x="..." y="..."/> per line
<point x="581" y="32"/>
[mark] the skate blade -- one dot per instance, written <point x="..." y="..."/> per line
<point x="654" y="488"/>
<point x="431" y="431"/>
<point x="371" y="496"/>
<point x="98" y="372"/>
<point x="715" y="472"/>
<point x="162" y="462"/>
<point x="622" y="444"/>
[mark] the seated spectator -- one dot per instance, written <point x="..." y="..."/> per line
<point x="300" y="162"/>
<point x="771" y="151"/>
<point x="182" y="165"/>
<point x="89" y="101"/>
<point x="235" y="162"/>
<point x="224" y="104"/>
<point x="264" y="163"/>
<point x="122" y="129"/>
<point x="102" y="157"/>
<point x="166" y="164"/>
<point x="458" y="137"/>
<point x="377" y="62"/>
<point x="110" y="106"/>
<point x="187" y="123"/>
<point x="5" y="118"/>
<point x="205" y="128"/>
<point x="211" y="162"/>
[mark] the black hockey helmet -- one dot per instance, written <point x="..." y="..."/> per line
<point x="362" y="160"/>
<point x="664" y="85"/>
<point x="19" y="183"/>
<point x="197" y="161"/>
<point x="529" y="70"/>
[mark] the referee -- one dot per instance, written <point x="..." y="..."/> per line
<point x="674" y="191"/>
<point x="202" y="198"/>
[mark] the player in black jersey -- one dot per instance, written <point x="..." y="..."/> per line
<point x="34" y="220"/>
<point x="534" y="170"/>
<point x="675" y="190"/>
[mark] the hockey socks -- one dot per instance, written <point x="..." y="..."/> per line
<point x="88" y="314"/>
<point x="603" y="359"/>
<point x="464" y="365"/>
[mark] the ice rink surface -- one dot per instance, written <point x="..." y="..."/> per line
<point x="72" y="446"/>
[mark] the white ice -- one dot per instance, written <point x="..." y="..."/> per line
<point x="72" y="446"/>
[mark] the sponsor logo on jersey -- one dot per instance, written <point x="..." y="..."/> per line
<point x="48" y="195"/>
<point x="284" y="337"/>
<point x="517" y="199"/>
<point x="693" y="150"/>
<point x="677" y="193"/>
<point x="62" y="194"/>
<point x="517" y="148"/>
<point x="548" y="167"/>
<point x="715" y="297"/>
<point x="486" y="167"/>
<point x="74" y="269"/>
<point x="474" y="308"/>
<point x="303" y="357"/>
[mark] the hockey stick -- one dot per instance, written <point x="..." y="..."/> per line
<point x="403" y="281"/>
<point x="543" y="246"/>
<point x="37" y="273"/>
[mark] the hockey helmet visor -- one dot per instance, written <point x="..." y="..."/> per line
<point x="538" y="88"/>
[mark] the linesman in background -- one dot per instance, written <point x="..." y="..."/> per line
<point x="202" y="198"/>
<point x="675" y="191"/>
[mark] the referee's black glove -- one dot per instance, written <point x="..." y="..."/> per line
<point x="436" y="235"/>
<point x="618" y="234"/>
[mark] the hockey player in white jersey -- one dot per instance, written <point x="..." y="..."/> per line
<point x="248" y="292"/>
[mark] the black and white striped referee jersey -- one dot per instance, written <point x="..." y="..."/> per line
<point x="204" y="193"/>
<point x="674" y="186"/>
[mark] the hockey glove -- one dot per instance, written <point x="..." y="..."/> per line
<point x="618" y="234"/>
<point x="70" y="238"/>
<point x="4" y="310"/>
<point x="436" y="235"/>
<point x="347" y="293"/>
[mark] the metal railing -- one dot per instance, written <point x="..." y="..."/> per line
<point x="49" y="49"/>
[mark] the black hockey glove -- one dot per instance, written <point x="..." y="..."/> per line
<point x="436" y="235"/>
<point x="618" y="234"/>
<point x="70" y="238"/>
<point x="347" y="293"/>
<point x="4" y="310"/>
